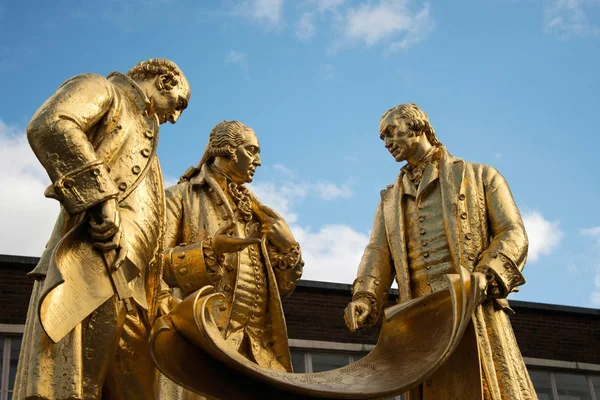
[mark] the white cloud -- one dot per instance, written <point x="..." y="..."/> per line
<point x="327" y="5"/>
<point x="332" y="252"/>
<point x="331" y="191"/>
<point x="305" y="28"/>
<point x="568" y="18"/>
<point x="237" y="58"/>
<point x="266" y="11"/>
<point x="593" y="232"/>
<point x="544" y="236"/>
<point x="388" y="22"/>
<point x="27" y="216"/>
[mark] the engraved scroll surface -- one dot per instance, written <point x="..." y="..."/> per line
<point x="415" y="340"/>
<point x="85" y="285"/>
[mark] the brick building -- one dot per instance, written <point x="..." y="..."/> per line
<point x="561" y="345"/>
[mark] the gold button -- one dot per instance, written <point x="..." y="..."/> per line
<point x="219" y="202"/>
<point x="149" y="134"/>
<point x="181" y="255"/>
<point x="429" y="283"/>
<point x="468" y="236"/>
<point x="229" y="267"/>
<point x="507" y="265"/>
<point x="461" y="196"/>
<point x="424" y="243"/>
<point x="421" y="218"/>
<point x="471" y="257"/>
<point x="95" y="172"/>
<point x="136" y="169"/>
<point x="426" y="254"/>
<point x="423" y="231"/>
<point x="428" y="267"/>
<point x="182" y="244"/>
<point x="183" y="271"/>
<point x="68" y="183"/>
<point x="146" y="152"/>
<point x="225" y="217"/>
<point x="227" y="288"/>
<point x="463" y="215"/>
<point x="122" y="186"/>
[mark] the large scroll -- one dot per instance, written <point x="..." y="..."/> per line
<point x="416" y="338"/>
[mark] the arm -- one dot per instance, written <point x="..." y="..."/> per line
<point x="287" y="267"/>
<point x="506" y="255"/>
<point x="58" y="135"/>
<point x="375" y="272"/>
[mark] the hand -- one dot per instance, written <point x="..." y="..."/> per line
<point x="224" y="243"/>
<point x="277" y="230"/>
<point x="488" y="285"/>
<point x="356" y="313"/>
<point x="105" y="231"/>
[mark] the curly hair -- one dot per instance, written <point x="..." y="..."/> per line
<point x="157" y="66"/>
<point x="223" y="140"/>
<point x="415" y="118"/>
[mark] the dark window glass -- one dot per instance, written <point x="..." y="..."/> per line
<point x="15" y="347"/>
<point x="572" y="387"/>
<point x="298" y="361"/>
<point x="541" y="383"/>
<point x="328" y="361"/>
<point x="596" y="383"/>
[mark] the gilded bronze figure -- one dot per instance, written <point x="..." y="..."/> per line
<point x="99" y="278"/>
<point x="441" y="214"/>
<point x="218" y="233"/>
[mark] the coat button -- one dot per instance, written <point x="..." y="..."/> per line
<point x="136" y="169"/>
<point x="149" y="134"/>
<point x="461" y="196"/>
<point x="227" y="288"/>
<point x="471" y="257"/>
<point x="424" y="243"/>
<point x="122" y="186"/>
<point x="146" y="152"/>
<point x="421" y="218"/>
<point x="68" y="183"/>
<point x="219" y="202"/>
<point x="463" y="215"/>
<point x="183" y="271"/>
<point x="422" y="231"/>
<point x="468" y="236"/>
<point x="95" y="172"/>
<point x="181" y="255"/>
<point x="426" y="254"/>
<point x="229" y="267"/>
<point x="428" y="267"/>
<point x="225" y="217"/>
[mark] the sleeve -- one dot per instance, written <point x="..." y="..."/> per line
<point x="375" y="271"/>
<point x="58" y="135"/>
<point x="507" y="252"/>
<point x="186" y="266"/>
<point x="287" y="267"/>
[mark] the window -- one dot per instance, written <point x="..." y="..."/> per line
<point x="320" y="361"/>
<point x="9" y="349"/>
<point x="558" y="385"/>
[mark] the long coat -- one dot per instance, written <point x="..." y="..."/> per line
<point x="483" y="229"/>
<point x="195" y="210"/>
<point x="96" y="140"/>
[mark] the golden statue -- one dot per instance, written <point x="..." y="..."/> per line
<point x="98" y="281"/>
<point x="218" y="233"/>
<point x="443" y="214"/>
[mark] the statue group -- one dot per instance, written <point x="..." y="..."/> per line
<point x="147" y="293"/>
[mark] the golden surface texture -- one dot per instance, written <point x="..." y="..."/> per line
<point x="98" y="280"/>
<point x="208" y="212"/>
<point x="415" y="340"/>
<point x="443" y="214"/>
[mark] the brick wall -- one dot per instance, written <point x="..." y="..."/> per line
<point x="315" y="312"/>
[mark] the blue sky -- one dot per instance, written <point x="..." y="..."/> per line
<point x="511" y="83"/>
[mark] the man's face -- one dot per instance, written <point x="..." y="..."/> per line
<point x="169" y="105"/>
<point x="398" y="139"/>
<point x="248" y="159"/>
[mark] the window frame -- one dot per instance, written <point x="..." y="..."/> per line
<point x="8" y="332"/>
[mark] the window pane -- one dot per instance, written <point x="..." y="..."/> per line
<point x="541" y="383"/>
<point x="327" y="361"/>
<point x="298" y="361"/>
<point x="572" y="387"/>
<point x="596" y="383"/>
<point x="15" y="347"/>
<point x="1" y="356"/>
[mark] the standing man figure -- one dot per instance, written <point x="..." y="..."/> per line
<point x="443" y="213"/>
<point x="218" y="233"/>
<point x="97" y="138"/>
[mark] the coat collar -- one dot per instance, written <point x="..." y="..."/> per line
<point x="140" y="97"/>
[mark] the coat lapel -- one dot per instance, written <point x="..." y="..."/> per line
<point x="393" y="215"/>
<point x="451" y="175"/>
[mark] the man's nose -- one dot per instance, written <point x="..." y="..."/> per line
<point x="388" y="142"/>
<point x="257" y="161"/>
